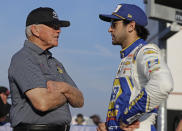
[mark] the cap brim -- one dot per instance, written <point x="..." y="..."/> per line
<point x="108" y="18"/>
<point x="63" y="23"/>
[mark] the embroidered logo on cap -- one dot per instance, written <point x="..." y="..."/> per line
<point x="54" y="15"/>
<point x="118" y="7"/>
<point x="129" y="16"/>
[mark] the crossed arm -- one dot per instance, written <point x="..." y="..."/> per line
<point x="55" y="95"/>
<point x="72" y="94"/>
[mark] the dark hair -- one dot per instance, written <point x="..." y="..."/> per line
<point x="142" y="32"/>
<point x="79" y="115"/>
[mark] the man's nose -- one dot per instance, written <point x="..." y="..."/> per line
<point x="110" y="29"/>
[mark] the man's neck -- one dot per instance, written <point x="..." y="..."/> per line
<point x="38" y="42"/>
<point x="129" y="41"/>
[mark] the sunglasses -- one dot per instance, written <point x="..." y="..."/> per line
<point x="114" y="23"/>
<point x="52" y="25"/>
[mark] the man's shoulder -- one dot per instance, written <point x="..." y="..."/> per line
<point x="147" y="50"/>
<point x="150" y="46"/>
<point x="22" y="55"/>
<point x="150" y="49"/>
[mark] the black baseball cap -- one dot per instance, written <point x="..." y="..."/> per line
<point x="45" y="15"/>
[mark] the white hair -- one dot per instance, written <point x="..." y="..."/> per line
<point x="28" y="31"/>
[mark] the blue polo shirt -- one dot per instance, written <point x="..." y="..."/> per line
<point x="32" y="67"/>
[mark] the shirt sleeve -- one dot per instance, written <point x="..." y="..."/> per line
<point x="67" y="77"/>
<point x="27" y="74"/>
<point x="158" y="75"/>
<point x="155" y="80"/>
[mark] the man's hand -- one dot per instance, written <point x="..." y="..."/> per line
<point x="61" y="87"/>
<point x="102" y="127"/>
<point x="52" y="86"/>
<point x="131" y="127"/>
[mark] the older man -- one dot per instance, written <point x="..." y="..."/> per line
<point x="40" y="87"/>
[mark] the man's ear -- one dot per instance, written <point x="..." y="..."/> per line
<point x="131" y="26"/>
<point x="35" y="30"/>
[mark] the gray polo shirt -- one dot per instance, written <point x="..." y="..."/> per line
<point x="32" y="67"/>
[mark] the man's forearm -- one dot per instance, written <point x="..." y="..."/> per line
<point x="73" y="95"/>
<point x="56" y="100"/>
<point x="44" y="100"/>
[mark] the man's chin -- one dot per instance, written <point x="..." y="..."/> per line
<point x="55" y="45"/>
<point x="115" y="43"/>
<point x="52" y="46"/>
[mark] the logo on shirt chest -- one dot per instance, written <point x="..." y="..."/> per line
<point x="59" y="70"/>
<point x="125" y="68"/>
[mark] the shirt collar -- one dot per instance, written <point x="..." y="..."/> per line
<point x="33" y="47"/>
<point x="124" y="52"/>
<point x="48" y="54"/>
<point x="37" y="49"/>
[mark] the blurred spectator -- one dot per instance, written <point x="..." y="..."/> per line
<point x="4" y="93"/>
<point x="80" y="119"/>
<point x="4" y="105"/>
<point x="96" y="119"/>
<point x="84" y="123"/>
<point x="4" y="110"/>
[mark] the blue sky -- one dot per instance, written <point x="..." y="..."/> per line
<point x="85" y="47"/>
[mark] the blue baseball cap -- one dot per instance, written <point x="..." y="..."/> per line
<point x="128" y="12"/>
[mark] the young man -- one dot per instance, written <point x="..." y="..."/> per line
<point x="143" y="80"/>
<point x="40" y="87"/>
